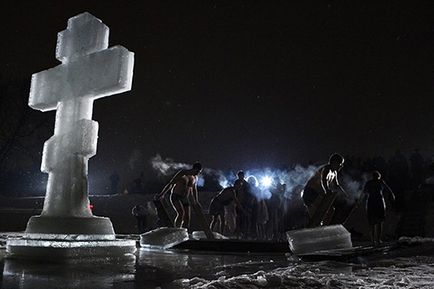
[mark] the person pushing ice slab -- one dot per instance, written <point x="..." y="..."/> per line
<point x="89" y="70"/>
<point x="311" y="240"/>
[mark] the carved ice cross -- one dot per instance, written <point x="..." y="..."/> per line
<point x="89" y="70"/>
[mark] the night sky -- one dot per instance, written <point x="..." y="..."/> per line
<point x="242" y="85"/>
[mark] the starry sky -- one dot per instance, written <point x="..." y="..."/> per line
<point x="237" y="85"/>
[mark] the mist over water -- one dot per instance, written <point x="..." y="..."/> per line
<point x="293" y="178"/>
<point x="167" y="166"/>
<point x="354" y="187"/>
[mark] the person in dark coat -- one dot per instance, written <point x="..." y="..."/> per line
<point x="376" y="204"/>
<point x="140" y="212"/>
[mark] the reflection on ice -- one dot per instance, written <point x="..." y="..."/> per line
<point x="96" y="273"/>
<point x="174" y="269"/>
<point x="69" y="244"/>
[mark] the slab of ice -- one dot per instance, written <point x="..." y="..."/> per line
<point x="319" y="239"/>
<point x="58" y="250"/>
<point x="200" y="235"/>
<point x="68" y="243"/>
<point x="69" y="237"/>
<point x="163" y="238"/>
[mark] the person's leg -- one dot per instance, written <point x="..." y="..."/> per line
<point x="138" y="225"/>
<point x="245" y="226"/>
<point x="328" y="216"/>
<point x="261" y="232"/>
<point x="250" y="226"/>
<point x="219" y="223"/>
<point x="274" y="229"/>
<point x="373" y="229"/>
<point x="222" y="223"/>
<point x="212" y="224"/>
<point x="180" y="213"/>
<point x="238" y="221"/>
<point x="380" y="232"/>
<point x="187" y="216"/>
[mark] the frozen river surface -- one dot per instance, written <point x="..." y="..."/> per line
<point x="154" y="269"/>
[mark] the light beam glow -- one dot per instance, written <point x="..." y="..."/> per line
<point x="266" y="181"/>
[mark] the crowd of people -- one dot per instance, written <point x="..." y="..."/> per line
<point x="241" y="210"/>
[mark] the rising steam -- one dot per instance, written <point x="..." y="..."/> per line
<point x="167" y="166"/>
<point x="294" y="178"/>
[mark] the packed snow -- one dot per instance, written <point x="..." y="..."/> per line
<point x="417" y="272"/>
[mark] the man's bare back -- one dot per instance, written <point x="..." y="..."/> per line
<point x="184" y="182"/>
<point x="183" y="188"/>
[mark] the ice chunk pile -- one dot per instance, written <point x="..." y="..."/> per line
<point x="163" y="238"/>
<point x="319" y="239"/>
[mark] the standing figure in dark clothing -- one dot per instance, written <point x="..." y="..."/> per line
<point x="140" y="212"/>
<point x="242" y="209"/>
<point x="274" y="204"/>
<point x="217" y="207"/>
<point x="376" y="205"/>
<point x="114" y="183"/>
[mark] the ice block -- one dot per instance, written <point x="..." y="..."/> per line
<point x="319" y="239"/>
<point x="163" y="238"/>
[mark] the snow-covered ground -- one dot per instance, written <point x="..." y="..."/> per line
<point x="416" y="272"/>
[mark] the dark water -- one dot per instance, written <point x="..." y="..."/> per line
<point x="148" y="269"/>
<point x="166" y="269"/>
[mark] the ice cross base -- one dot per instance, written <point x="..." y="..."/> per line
<point x="99" y="227"/>
<point x="89" y="70"/>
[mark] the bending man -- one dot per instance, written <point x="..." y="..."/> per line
<point x="321" y="190"/>
<point x="217" y="207"/>
<point x="183" y="187"/>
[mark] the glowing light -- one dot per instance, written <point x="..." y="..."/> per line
<point x="266" y="181"/>
<point x="252" y="180"/>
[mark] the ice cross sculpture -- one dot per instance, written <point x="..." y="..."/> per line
<point x="89" y="70"/>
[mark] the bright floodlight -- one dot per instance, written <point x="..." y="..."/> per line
<point x="266" y="181"/>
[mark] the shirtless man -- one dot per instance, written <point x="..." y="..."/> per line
<point x="183" y="187"/>
<point x="217" y="207"/>
<point x="323" y="183"/>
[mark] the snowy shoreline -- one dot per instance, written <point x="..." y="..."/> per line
<point x="416" y="272"/>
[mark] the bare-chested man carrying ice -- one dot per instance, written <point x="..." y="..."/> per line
<point x="323" y="183"/>
<point x="183" y="187"/>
